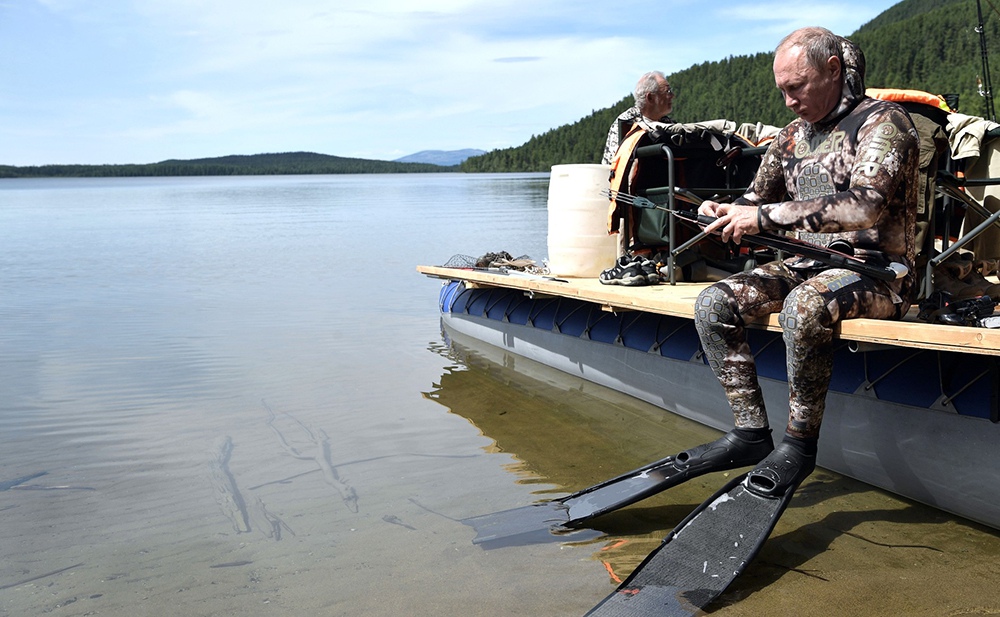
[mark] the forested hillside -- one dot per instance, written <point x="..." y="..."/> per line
<point x="929" y="45"/>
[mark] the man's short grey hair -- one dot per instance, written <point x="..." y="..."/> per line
<point x="647" y="84"/>
<point x="819" y="45"/>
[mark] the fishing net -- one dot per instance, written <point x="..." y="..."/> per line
<point x="501" y="260"/>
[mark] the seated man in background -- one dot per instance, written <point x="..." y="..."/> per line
<point x="654" y="100"/>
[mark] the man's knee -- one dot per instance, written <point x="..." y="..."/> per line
<point x="713" y="314"/>
<point x="804" y="318"/>
<point x="714" y="307"/>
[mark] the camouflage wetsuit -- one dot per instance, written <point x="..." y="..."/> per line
<point x="851" y="176"/>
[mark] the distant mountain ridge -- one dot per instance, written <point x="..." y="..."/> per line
<point x="281" y="163"/>
<point x="284" y="163"/>
<point x="447" y="158"/>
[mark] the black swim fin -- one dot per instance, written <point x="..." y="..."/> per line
<point x="714" y="544"/>
<point x="539" y="522"/>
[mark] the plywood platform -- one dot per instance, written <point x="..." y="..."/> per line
<point x="678" y="300"/>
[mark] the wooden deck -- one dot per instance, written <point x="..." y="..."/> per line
<point x="678" y="300"/>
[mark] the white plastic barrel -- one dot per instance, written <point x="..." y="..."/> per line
<point x="578" y="241"/>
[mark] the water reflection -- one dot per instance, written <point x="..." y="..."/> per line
<point x="566" y="434"/>
<point x="837" y="539"/>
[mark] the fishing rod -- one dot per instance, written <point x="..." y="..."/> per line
<point x="985" y="83"/>
<point x="823" y="254"/>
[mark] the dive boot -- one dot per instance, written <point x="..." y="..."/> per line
<point x="732" y="450"/>
<point x="782" y="471"/>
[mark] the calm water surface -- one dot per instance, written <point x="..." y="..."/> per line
<point x="231" y="396"/>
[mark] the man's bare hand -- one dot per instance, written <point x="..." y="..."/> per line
<point x="733" y="222"/>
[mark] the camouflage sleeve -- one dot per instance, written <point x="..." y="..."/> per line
<point x="883" y="144"/>
<point x="851" y="210"/>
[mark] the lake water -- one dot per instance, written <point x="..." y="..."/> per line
<point x="231" y="396"/>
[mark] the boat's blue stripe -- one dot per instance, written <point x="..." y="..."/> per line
<point x="919" y="378"/>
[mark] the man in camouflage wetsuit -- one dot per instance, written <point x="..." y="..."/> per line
<point x="848" y="168"/>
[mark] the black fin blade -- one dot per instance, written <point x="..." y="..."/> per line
<point x="553" y="520"/>
<point x="700" y="557"/>
<point x="519" y="525"/>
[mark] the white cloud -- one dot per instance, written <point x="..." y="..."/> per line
<point x="780" y="18"/>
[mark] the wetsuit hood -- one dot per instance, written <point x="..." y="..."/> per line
<point x="852" y="76"/>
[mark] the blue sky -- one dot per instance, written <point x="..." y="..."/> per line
<point x="140" y="81"/>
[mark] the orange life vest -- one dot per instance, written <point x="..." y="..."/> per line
<point x="899" y="95"/>
<point x="621" y="166"/>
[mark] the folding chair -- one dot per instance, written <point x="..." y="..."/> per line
<point x="707" y="159"/>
